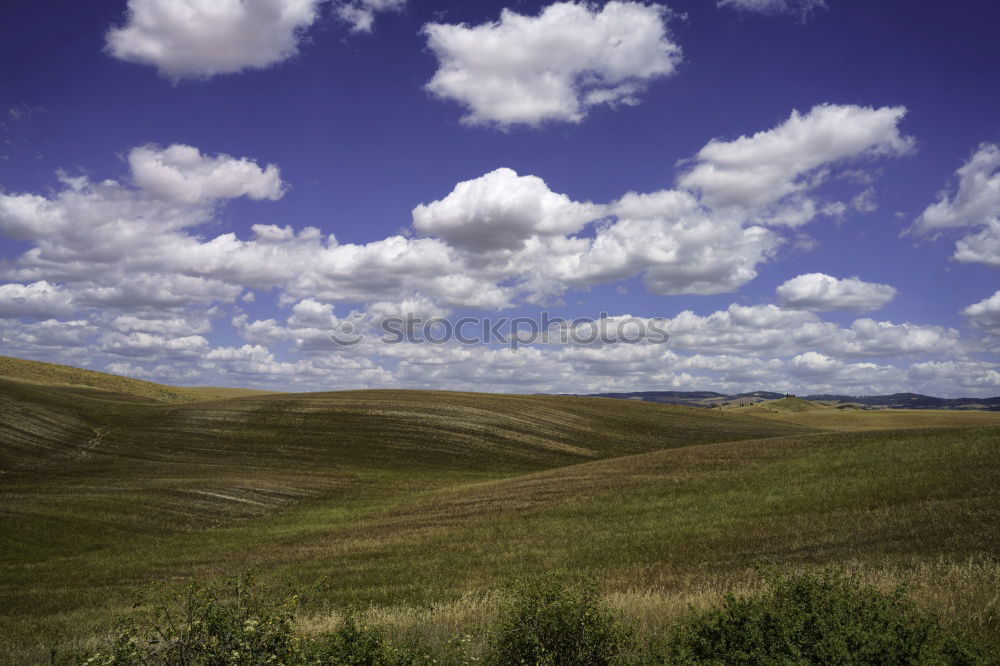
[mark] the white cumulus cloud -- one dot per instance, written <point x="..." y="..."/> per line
<point x="677" y="245"/>
<point x="149" y="345"/>
<point x="181" y="174"/>
<point x="501" y="210"/>
<point x="981" y="248"/>
<point x="554" y="66"/>
<point x="39" y="300"/>
<point x="985" y="314"/>
<point x="779" y="166"/>
<point x="957" y="378"/>
<point x="818" y="291"/>
<point x="202" y="38"/>
<point x="777" y="331"/>
<point x="176" y="326"/>
<point x="976" y="203"/>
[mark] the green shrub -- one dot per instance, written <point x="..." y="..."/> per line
<point x="236" y="624"/>
<point x="549" y="622"/>
<point x="816" y="619"/>
<point x="354" y="644"/>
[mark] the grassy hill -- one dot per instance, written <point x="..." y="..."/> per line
<point x="412" y="429"/>
<point x="404" y="499"/>
<point x="64" y="375"/>
<point x="884" y="419"/>
<point x="844" y="417"/>
<point x="789" y="405"/>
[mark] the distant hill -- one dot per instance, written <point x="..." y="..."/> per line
<point x="851" y="416"/>
<point x="914" y="401"/>
<point x="690" y="398"/>
<point x="786" y="405"/>
<point x="894" y="401"/>
<point x="64" y="375"/>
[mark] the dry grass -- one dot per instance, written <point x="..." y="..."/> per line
<point x="882" y="419"/>
<point x="964" y="593"/>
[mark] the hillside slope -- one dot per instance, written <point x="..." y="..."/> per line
<point x="681" y="519"/>
<point x="788" y="405"/>
<point x="436" y="430"/>
<point x="134" y="464"/>
<point x="54" y="374"/>
<point x="878" y="496"/>
<point x="848" y="418"/>
<point x="90" y="479"/>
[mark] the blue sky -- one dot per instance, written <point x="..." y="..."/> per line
<point x="808" y="192"/>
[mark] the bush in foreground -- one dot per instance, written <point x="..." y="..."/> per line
<point x="235" y="624"/>
<point x="549" y="622"/>
<point x="817" y="619"/>
<point x="204" y="625"/>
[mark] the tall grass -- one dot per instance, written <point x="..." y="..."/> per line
<point x="806" y="618"/>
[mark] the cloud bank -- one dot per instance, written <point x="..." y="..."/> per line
<point x="123" y="274"/>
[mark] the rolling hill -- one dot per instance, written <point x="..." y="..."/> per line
<point x="64" y="375"/>
<point x="404" y="498"/>
<point x="849" y="417"/>
<point x="789" y="405"/>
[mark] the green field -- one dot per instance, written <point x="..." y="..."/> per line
<point x="841" y="418"/>
<point x="418" y="506"/>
